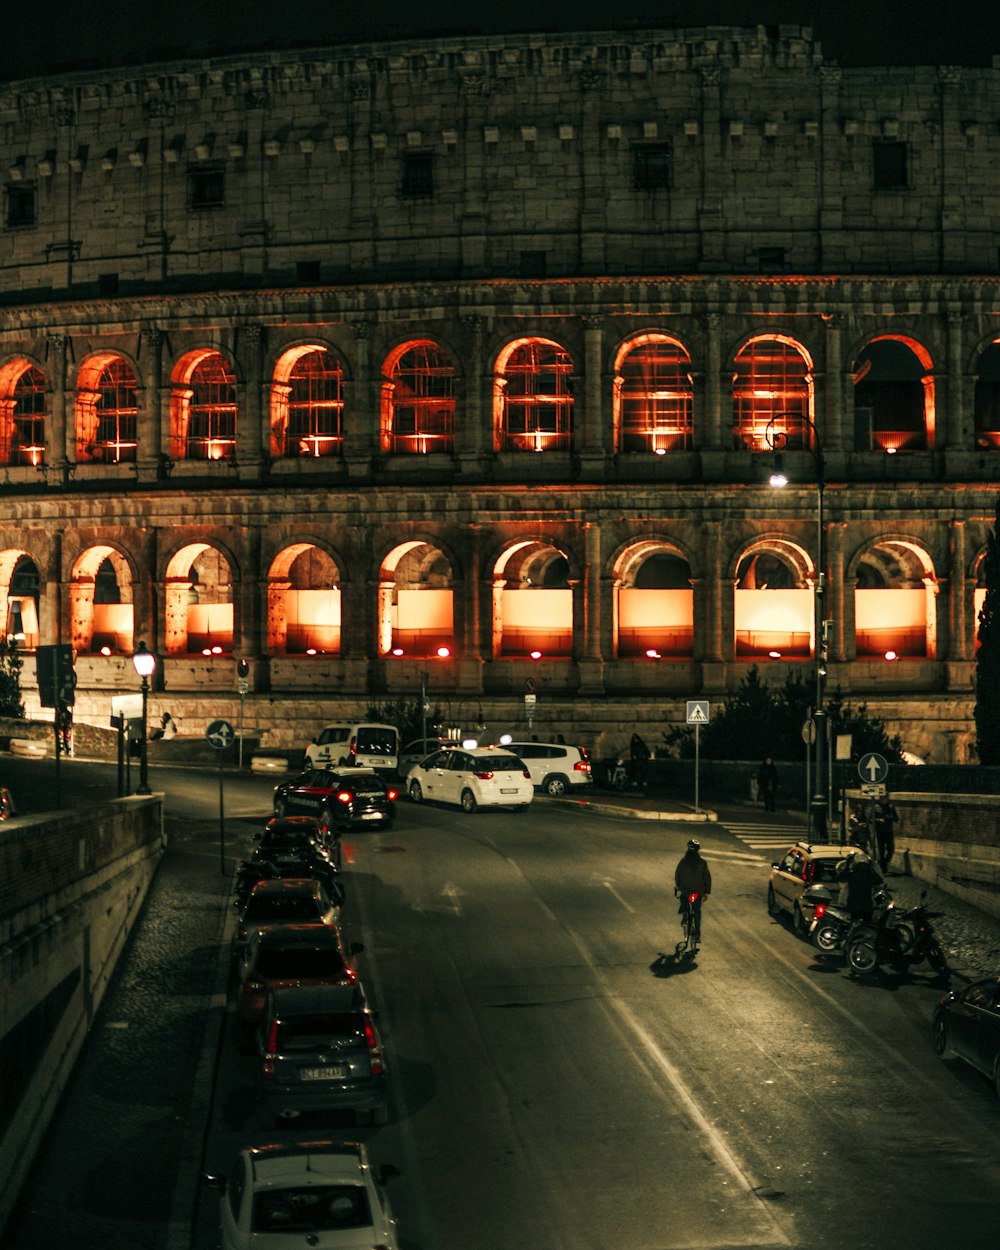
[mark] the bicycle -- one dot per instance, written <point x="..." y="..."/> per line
<point x="618" y="778"/>
<point x="689" y="925"/>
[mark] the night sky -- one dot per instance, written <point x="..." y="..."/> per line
<point x="81" y="34"/>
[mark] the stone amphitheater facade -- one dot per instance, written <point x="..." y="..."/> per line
<point x="288" y="341"/>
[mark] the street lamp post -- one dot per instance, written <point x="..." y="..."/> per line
<point x="145" y="665"/>
<point x="777" y="439"/>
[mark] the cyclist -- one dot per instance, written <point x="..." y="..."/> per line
<point x="691" y="876"/>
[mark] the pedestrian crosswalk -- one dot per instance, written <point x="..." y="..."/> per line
<point x="760" y="836"/>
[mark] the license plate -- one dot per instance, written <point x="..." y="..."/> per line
<point x="371" y="815"/>
<point x="322" y="1074"/>
<point x="509" y="790"/>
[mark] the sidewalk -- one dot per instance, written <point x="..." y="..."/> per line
<point x="638" y="805"/>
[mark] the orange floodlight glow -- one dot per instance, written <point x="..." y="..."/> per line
<point x="890" y="655"/>
<point x="444" y="652"/>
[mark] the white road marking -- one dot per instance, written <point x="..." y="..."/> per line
<point x="610" y="887"/>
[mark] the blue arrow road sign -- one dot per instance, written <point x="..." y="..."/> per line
<point x="873" y="767"/>
<point x="220" y="734"/>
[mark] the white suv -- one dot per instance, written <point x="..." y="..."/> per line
<point x="554" y="767"/>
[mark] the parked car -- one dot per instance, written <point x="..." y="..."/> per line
<point x="324" y="1194"/>
<point x="299" y="839"/>
<point x="419" y="749"/>
<point x="362" y="745"/>
<point x="339" y="800"/>
<point x="967" y="1023"/>
<point x="554" y="766"/>
<point x="318" y="1049"/>
<point x="294" y="954"/>
<point x="472" y="778"/>
<point x="803" y="865"/>
<point x="282" y="901"/>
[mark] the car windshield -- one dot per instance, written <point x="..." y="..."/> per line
<point x="311" y="1208"/>
<point x="326" y="1029"/>
<point x="282" y="907"/>
<point x="293" y="963"/>
<point x="377" y="741"/>
<point x="284" y="839"/>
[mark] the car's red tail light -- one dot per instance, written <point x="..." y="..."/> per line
<point x="374" y="1054"/>
<point x="581" y="766"/>
<point x="526" y="775"/>
<point x="392" y="795"/>
<point x="344" y="796"/>
<point x="483" y="776"/>
<point x="819" y="911"/>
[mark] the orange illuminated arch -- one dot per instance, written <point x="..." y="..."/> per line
<point x="22" y="413"/>
<point x="418" y="400"/>
<point x="894" y="395"/>
<point x="307" y="403"/>
<point x="203" y="408"/>
<point x="107" y="410"/>
<point x="101" y="602"/>
<point x="772" y="394"/>
<point x="533" y="397"/>
<point x="653" y="395"/>
<point x="303" y="602"/>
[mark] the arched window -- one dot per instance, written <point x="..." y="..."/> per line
<point x="654" y="397"/>
<point x="313" y="403"/>
<point x="987" y="398"/>
<point x="535" y="398"/>
<point x="772" y="387"/>
<point x="893" y="397"/>
<point x="22" y="417"/>
<point x="418" y="407"/>
<point x="211" y="425"/>
<point x="107" y="413"/>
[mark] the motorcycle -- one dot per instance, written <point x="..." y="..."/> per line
<point x="832" y="922"/>
<point x="900" y="939"/>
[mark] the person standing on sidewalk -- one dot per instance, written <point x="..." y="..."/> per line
<point x="767" y="783"/>
<point x="640" y="759"/>
<point x="885" y="837"/>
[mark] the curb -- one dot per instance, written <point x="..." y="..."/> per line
<point x="634" y="813"/>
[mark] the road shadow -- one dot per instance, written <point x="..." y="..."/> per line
<point x="671" y="965"/>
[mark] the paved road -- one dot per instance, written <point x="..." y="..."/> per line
<point x="133" y="1122"/>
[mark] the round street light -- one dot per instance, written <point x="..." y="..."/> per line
<point x="144" y="663"/>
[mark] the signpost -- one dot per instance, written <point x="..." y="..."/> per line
<point x="530" y="700"/>
<point x="220" y="734"/>
<point x="697" y="715"/>
<point x="873" y="769"/>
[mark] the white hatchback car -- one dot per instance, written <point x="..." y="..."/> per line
<point x="472" y="778"/>
<point x="318" y="1193"/>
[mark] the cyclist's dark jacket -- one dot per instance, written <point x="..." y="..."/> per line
<point x="692" y="875"/>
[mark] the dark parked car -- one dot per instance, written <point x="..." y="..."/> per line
<point x="967" y="1023"/>
<point x="338" y="800"/>
<point x="282" y="901"/>
<point x="318" y="1049"/>
<point x="278" y="956"/>
<point x="298" y="838"/>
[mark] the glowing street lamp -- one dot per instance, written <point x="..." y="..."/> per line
<point x="777" y="439"/>
<point x="145" y="665"/>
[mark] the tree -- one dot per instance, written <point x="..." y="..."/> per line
<point x="757" y="720"/>
<point x="11" y="703"/>
<point x="988" y="656"/>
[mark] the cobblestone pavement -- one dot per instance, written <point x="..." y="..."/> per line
<point x="105" y="1179"/>
<point x="120" y="1168"/>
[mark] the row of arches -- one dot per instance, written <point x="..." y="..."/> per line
<point x="653" y="394"/>
<point x="528" y="599"/>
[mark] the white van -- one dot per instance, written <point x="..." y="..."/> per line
<point x="355" y="746"/>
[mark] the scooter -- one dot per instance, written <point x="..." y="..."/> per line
<point x="832" y="922"/>
<point x="900" y="939"/>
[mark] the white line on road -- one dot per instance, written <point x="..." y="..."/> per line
<point x="609" y="886"/>
<point x="714" y="1138"/>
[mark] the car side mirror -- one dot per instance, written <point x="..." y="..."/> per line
<point x="215" y="1182"/>
<point x="778" y="866"/>
<point x="386" y="1172"/>
<point x="357" y="947"/>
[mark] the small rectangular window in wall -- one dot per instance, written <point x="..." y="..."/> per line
<point x="651" y="166"/>
<point x="307" y="271"/>
<point x="20" y="207"/>
<point x="533" y="265"/>
<point x="418" y="174"/>
<point x="772" y="260"/>
<point x="889" y="164"/>
<point x="206" y="187"/>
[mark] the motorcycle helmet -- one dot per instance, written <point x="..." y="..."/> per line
<point x="694" y="845"/>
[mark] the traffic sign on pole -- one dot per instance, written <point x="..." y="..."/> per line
<point x="873" y="767"/>
<point x="697" y="711"/>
